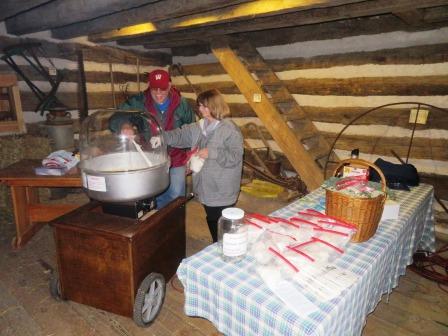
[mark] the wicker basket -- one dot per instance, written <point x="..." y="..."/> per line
<point x="365" y="213"/>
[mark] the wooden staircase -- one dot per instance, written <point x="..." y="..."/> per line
<point x="307" y="142"/>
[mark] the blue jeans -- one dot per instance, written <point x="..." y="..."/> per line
<point x="175" y="189"/>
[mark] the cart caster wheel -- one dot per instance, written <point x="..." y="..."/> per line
<point x="55" y="288"/>
<point x="149" y="299"/>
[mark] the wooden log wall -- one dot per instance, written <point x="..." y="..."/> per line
<point x="338" y="77"/>
<point x="97" y="60"/>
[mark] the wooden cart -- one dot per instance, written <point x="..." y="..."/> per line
<point x="118" y="264"/>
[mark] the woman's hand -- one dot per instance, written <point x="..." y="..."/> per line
<point x="155" y="141"/>
<point x="202" y="153"/>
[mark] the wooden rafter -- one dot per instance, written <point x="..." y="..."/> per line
<point x="152" y="12"/>
<point x="296" y="153"/>
<point x="436" y="14"/>
<point x="413" y="17"/>
<point x="298" y="17"/>
<point x="11" y="8"/>
<point x="222" y="16"/>
<point x="319" y="31"/>
<point x="61" y="13"/>
<point x="92" y="53"/>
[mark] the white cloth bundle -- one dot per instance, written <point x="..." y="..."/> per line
<point x="196" y="163"/>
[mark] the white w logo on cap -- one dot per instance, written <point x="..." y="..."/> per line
<point x="158" y="77"/>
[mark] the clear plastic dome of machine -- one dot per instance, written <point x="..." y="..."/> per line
<point x="118" y="161"/>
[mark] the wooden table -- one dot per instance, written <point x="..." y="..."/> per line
<point x="30" y="215"/>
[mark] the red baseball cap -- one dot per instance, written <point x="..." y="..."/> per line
<point x="159" y="79"/>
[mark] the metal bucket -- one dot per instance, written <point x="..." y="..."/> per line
<point x="61" y="136"/>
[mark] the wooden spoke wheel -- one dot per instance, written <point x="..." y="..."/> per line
<point x="149" y="299"/>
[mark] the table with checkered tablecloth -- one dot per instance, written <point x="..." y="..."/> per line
<point x="235" y="299"/>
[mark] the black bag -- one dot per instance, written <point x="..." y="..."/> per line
<point x="398" y="176"/>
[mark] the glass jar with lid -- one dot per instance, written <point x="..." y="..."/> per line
<point x="232" y="235"/>
<point x="118" y="161"/>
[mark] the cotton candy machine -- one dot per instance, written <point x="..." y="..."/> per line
<point x="114" y="253"/>
<point x="118" y="162"/>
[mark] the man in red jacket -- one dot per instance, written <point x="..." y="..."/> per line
<point x="164" y="101"/>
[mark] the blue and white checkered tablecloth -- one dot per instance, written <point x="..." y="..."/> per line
<point x="237" y="301"/>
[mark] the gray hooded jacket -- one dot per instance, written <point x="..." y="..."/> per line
<point x="218" y="182"/>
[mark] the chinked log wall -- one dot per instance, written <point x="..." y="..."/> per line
<point x="96" y="65"/>
<point x="336" y="79"/>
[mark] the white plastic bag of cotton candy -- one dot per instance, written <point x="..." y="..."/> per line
<point x="296" y="261"/>
<point x="305" y="241"/>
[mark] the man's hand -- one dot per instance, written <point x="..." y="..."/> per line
<point x="127" y="130"/>
<point x="155" y="141"/>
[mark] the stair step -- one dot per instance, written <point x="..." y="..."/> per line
<point x="290" y="117"/>
<point x="314" y="141"/>
<point x="271" y="86"/>
<point x="312" y="137"/>
<point x="293" y="114"/>
<point x="253" y="60"/>
<point x="321" y="160"/>
<point x="281" y="95"/>
<point x="291" y="110"/>
<point x="268" y="77"/>
<point x="265" y="70"/>
<point x="256" y="67"/>
<point x="318" y="152"/>
<point x="311" y="140"/>
<point x="333" y="161"/>
<point x="285" y="106"/>
<point x="245" y="48"/>
<point x="303" y="127"/>
<point x="331" y="166"/>
<point x="306" y="134"/>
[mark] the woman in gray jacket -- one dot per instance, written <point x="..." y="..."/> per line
<point x="219" y="144"/>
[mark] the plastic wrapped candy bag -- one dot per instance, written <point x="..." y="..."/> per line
<point x="60" y="159"/>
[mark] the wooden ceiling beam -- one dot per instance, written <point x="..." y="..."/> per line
<point x="230" y="14"/>
<point x="319" y="31"/>
<point x="147" y="13"/>
<point x="413" y="17"/>
<point x="305" y="17"/>
<point x="172" y="44"/>
<point x="436" y="14"/>
<point x="300" y="159"/>
<point x="330" y="30"/>
<point x="11" y="8"/>
<point x="100" y="54"/>
<point x="60" y="13"/>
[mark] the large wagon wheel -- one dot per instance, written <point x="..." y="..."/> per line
<point x="149" y="299"/>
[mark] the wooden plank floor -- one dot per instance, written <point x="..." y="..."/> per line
<point x="416" y="307"/>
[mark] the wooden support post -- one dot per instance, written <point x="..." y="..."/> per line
<point x="138" y="75"/>
<point x="302" y="162"/>
<point x="83" y="106"/>
<point x="112" y="84"/>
